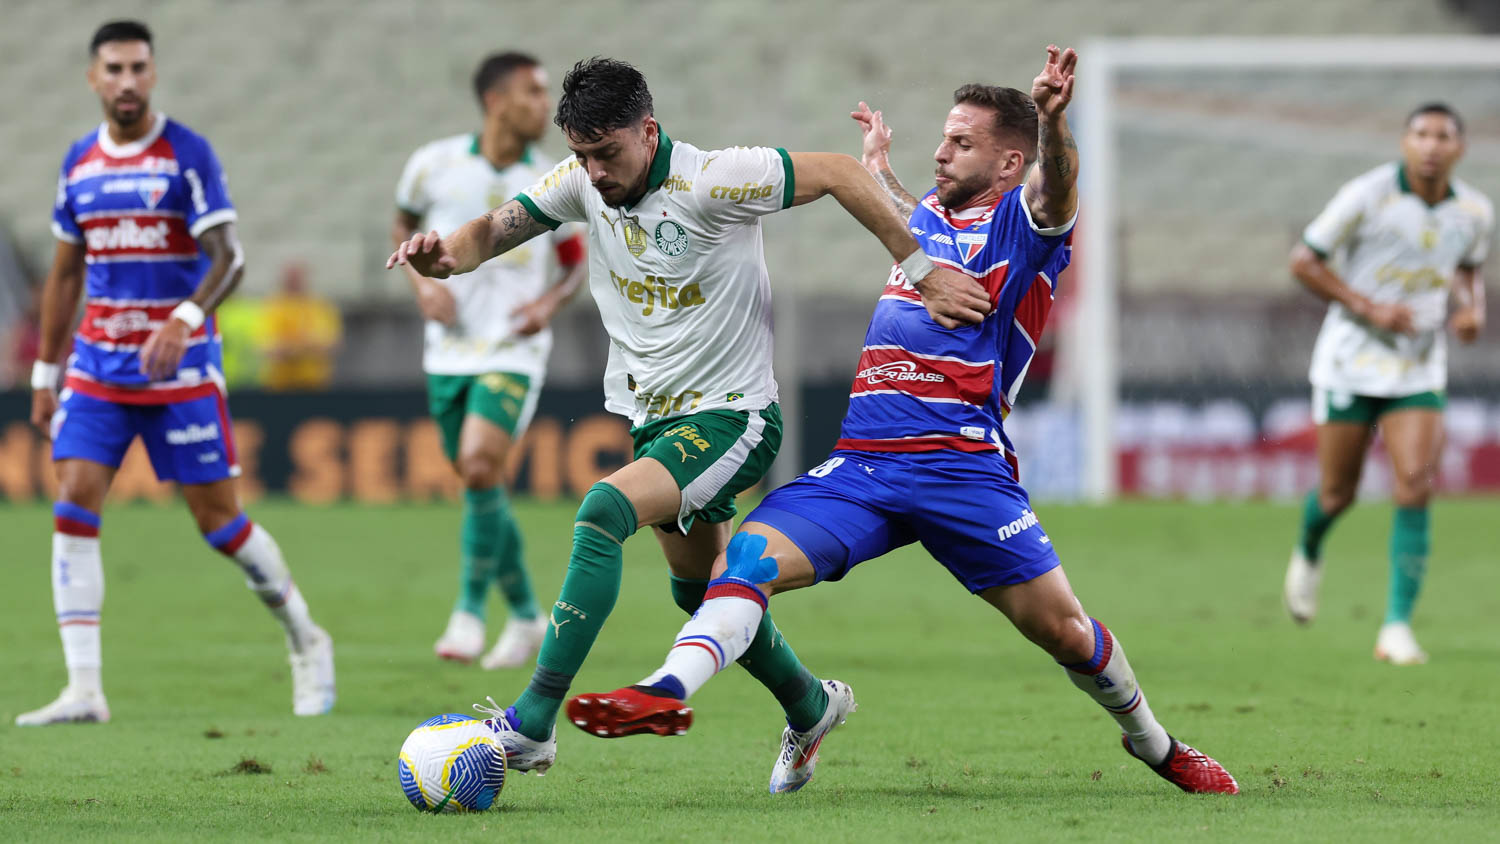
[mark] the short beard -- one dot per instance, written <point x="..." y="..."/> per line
<point x="122" y="120"/>
<point x="958" y="194"/>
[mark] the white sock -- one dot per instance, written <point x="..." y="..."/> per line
<point x="266" y="573"/>
<point x="1107" y="678"/>
<point x="78" y="595"/>
<point x="718" y="634"/>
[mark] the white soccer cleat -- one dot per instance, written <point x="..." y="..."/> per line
<point x="1398" y="646"/>
<point x="71" y="707"/>
<point x="519" y="641"/>
<point x="1300" y="591"/>
<point x="522" y="754"/>
<point x="799" y="750"/>
<point x="313" y="688"/>
<point x="463" y="640"/>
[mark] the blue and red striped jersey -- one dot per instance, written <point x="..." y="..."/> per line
<point x="921" y="387"/>
<point x="138" y="210"/>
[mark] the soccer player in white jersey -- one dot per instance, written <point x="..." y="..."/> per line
<point x="1390" y="251"/>
<point x="145" y="231"/>
<point x="676" y="266"/>
<point x="487" y="340"/>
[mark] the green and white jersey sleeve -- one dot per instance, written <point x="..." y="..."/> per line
<point x="447" y="183"/>
<point x="1391" y="246"/>
<point x="680" y="277"/>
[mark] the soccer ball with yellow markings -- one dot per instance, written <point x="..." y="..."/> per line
<point x="452" y="763"/>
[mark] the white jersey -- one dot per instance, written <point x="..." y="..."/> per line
<point x="448" y="183"/>
<point x="680" y="277"/>
<point x="1390" y="246"/>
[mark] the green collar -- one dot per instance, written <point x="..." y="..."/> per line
<point x="474" y="151"/>
<point x="661" y="163"/>
<point x="1405" y="185"/>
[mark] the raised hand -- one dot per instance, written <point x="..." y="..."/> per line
<point x="1052" y="89"/>
<point x="877" y="135"/>
<point x="426" y="254"/>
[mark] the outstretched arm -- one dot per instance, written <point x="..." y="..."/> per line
<point x="953" y="299"/>
<point x="163" y="350"/>
<point x="876" y="158"/>
<point x="477" y="241"/>
<point x="1052" y="187"/>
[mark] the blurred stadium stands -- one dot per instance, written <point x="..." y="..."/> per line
<point x="313" y="107"/>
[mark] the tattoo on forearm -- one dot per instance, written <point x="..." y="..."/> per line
<point x="1057" y="152"/>
<point x="516" y="226"/>
<point x="904" y="202"/>
<point x="1060" y="162"/>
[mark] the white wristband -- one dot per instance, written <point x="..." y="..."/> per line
<point x="190" y="314"/>
<point x="44" y="375"/>
<point x="917" y="266"/>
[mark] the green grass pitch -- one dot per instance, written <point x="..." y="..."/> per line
<point x="965" y="732"/>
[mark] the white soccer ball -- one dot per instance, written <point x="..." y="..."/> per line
<point x="451" y="763"/>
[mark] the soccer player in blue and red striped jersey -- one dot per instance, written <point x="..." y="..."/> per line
<point x="923" y="455"/>
<point x="145" y="230"/>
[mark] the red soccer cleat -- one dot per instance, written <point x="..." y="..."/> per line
<point x="1190" y="770"/>
<point x="628" y="712"/>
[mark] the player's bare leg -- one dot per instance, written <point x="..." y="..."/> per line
<point x="216" y="509"/>
<point x="1414" y="440"/>
<point x="759" y="562"/>
<point x="1341" y="457"/>
<point x="1046" y="611"/>
<point x="77" y="592"/>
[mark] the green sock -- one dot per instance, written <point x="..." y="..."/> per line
<point x="769" y="659"/>
<point x="1409" y="546"/>
<point x="605" y="520"/>
<point x="1315" y="524"/>
<point x="510" y="574"/>
<point x="479" y="541"/>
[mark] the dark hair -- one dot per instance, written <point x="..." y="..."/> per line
<point x="1436" y="108"/>
<point x="1015" y="113"/>
<point x="119" y="31"/>
<point x="600" y="95"/>
<point x="495" y="68"/>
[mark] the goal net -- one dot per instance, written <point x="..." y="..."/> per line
<point x="1183" y="355"/>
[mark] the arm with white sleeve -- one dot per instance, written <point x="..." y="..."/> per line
<point x="1325" y="235"/>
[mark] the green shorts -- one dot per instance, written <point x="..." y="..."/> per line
<point x="504" y="398"/>
<point x="1334" y="406"/>
<point x="713" y="455"/>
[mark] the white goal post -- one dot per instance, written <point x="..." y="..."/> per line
<point x="1092" y="364"/>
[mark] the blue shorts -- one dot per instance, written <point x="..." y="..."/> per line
<point x="964" y="508"/>
<point x="189" y="442"/>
